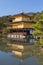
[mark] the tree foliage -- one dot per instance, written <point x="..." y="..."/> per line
<point x="39" y="26"/>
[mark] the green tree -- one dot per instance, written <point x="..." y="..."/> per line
<point x="39" y="27"/>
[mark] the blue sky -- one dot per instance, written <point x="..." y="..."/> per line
<point x="11" y="7"/>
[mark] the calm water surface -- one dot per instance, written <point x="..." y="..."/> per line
<point x="7" y="57"/>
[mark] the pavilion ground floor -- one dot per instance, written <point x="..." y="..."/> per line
<point x="24" y="34"/>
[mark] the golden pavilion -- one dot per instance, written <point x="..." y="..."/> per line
<point x="20" y="27"/>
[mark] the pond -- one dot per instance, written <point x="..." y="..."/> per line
<point x="18" y="53"/>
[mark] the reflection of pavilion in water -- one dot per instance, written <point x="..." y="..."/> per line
<point x="23" y="52"/>
<point x="20" y="51"/>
